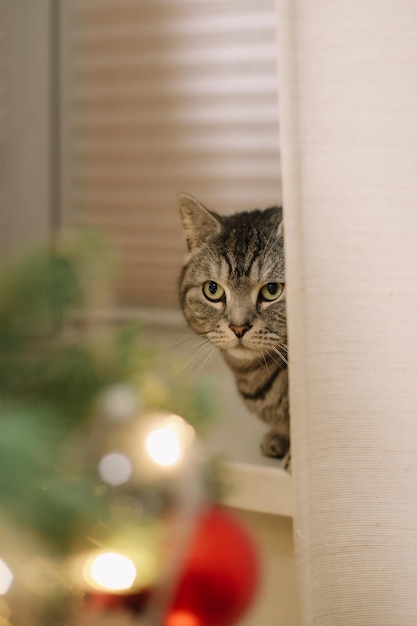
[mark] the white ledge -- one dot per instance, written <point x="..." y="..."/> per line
<point x="260" y="488"/>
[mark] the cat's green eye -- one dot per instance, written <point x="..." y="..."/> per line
<point x="213" y="291"/>
<point x="271" y="292"/>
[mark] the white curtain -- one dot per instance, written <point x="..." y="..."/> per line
<point x="348" y="113"/>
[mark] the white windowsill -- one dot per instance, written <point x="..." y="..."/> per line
<point x="260" y="488"/>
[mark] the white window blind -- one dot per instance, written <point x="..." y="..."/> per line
<point x="158" y="97"/>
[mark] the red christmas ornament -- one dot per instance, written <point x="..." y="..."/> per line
<point x="220" y="574"/>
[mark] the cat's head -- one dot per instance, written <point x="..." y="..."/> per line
<point x="232" y="285"/>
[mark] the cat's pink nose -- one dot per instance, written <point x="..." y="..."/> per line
<point x="239" y="330"/>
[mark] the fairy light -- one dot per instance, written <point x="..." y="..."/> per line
<point x="182" y="618"/>
<point x="115" y="468"/>
<point x="6" y="577"/>
<point x="167" y="443"/>
<point x="111" y="571"/>
<point x="119" y="402"/>
<point x="163" y="446"/>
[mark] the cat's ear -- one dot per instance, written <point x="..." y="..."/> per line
<point x="275" y="221"/>
<point x="198" y="222"/>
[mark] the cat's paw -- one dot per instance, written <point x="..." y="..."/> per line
<point x="286" y="462"/>
<point x="274" y="444"/>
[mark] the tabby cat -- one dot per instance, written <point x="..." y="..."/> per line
<point x="232" y="292"/>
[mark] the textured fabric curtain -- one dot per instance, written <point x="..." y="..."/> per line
<point x="348" y="107"/>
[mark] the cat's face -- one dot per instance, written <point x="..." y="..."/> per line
<point x="232" y="286"/>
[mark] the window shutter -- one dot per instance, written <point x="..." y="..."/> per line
<point x="159" y="97"/>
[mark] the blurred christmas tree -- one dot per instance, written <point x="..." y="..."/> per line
<point x="53" y="375"/>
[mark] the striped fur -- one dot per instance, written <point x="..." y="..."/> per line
<point x="241" y="253"/>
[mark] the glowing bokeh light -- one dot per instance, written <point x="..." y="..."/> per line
<point x="115" y="468"/>
<point x="111" y="571"/>
<point x="6" y="577"/>
<point x="164" y="446"/>
<point x="119" y="402"/>
<point x="167" y="443"/>
<point x="182" y="618"/>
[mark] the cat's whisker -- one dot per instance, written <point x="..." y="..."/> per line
<point x="176" y="341"/>
<point x="206" y="349"/>
<point x="206" y="357"/>
<point x="179" y="343"/>
<point x="189" y="345"/>
<point x="264" y="362"/>
<point x="283" y="347"/>
<point x="275" y="339"/>
<point x="202" y="349"/>
<point x="279" y="353"/>
<point x="200" y="358"/>
<point x="273" y="357"/>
